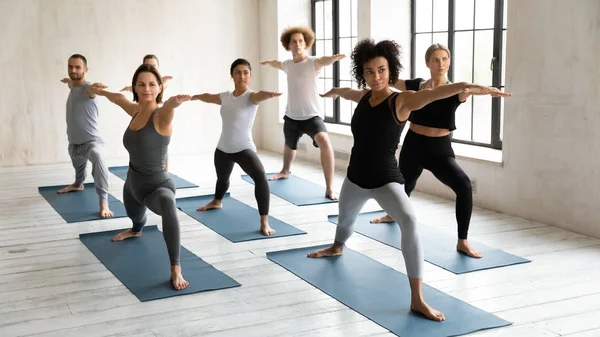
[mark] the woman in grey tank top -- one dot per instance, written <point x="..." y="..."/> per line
<point x="146" y="139"/>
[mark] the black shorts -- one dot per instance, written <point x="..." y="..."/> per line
<point x="294" y="129"/>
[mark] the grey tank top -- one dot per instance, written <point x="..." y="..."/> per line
<point x="147" y="148"/>
<point x="82" y="117"/>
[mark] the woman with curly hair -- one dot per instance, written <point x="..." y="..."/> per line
<point x="303" y="113"/>
<point x="373" y="171"/>
<point x="427" y="144"/>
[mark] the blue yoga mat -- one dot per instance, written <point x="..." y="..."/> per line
<point x="439" y="246"/>
<point x="296" y="190"/>
<point x="236" y="221"/>
<point x="121" y="172"/>
<point x="79" y="206"/>
<point x="382" y="294"/>
<point x="142" y="265"/>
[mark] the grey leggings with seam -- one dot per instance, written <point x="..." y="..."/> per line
<point x="156" y="192"/>
<point x="393" y="199"/>
<point x="92" y="151"/>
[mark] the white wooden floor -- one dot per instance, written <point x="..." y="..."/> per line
<point x="51" y="285"/>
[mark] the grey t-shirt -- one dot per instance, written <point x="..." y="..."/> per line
<point x="82" y="116"/>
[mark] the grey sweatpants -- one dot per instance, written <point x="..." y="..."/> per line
<point x="92" y="151"/>
<point x="393" y="199"/>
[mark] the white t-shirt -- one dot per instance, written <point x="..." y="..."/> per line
<point x="303" y="100"/>
<point x="237" y="116"/>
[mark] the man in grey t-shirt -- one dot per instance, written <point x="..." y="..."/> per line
<point x="85" y="142"/>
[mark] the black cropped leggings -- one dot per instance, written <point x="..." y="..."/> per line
<point x="435" y="154"/>
<point x="251" y="164"/>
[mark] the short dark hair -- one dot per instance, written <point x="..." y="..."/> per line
<point x="79" y="56"/>
<point x="367" y="50"/>
<point x="146" y="68"/>
<point x="150" y="57"/>
<point x="237" y="63"/>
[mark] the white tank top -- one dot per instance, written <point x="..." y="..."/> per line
<point x="303" y="100"/>
<point x="237" y="117"/>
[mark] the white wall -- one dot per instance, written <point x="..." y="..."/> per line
<point x="195" y="40"/>
<point x="550" y="172"/>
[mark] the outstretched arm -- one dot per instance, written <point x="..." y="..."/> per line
<point x="207" y="98"/>
<point x="324" y="61"/>
<point x="346" y="93"/>
<point x="117" y="98"/>
<point x="414" y="100"/>
<point x="275" y="64"/>
<point x="167" y="111"/>
<point x="257" y="97"/>
<point x="494" y="92"/>
<point x="91" y="89"/>
<point x="68" y="82"/>
<point x="400" y="85"/>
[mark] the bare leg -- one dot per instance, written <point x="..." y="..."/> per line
<point x="464" y="247"/>
<point x="179" y="283"/>
<point x="418" y="304"/>
<point x="288" y="157"/>
<point x="264" y="226"/>
<point x="105" y="212"/>
<point x="327" y="162"/>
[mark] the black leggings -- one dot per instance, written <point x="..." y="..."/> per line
<point x="156" y="192"/>
<point x="435" y="154"/>
<point x="250" y="163"/>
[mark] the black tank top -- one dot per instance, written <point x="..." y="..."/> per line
<point x="376" y="131"/>
<point x="437" y="114"/>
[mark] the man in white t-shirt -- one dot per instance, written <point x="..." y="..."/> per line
<point x="304" y="113"/>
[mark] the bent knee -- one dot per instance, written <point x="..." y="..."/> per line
<point x="322" y="139"/>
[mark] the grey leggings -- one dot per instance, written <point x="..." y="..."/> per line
<point x="157" y="192"/>
<point x="392" y="198"/>
<point x="92" y="151"/>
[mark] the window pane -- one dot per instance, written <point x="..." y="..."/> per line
<point x="440" y="15"/>
<point x="319" y="32"/>
<point x="344" y="64"/>
<point x="484" y="52"/>
<point x="354" y="18"/>
<point x="345" y="18"/>
<point x="328" y="102"/>
<point x="505" y="14"/>
<point x="482" y="119"/>
<point x="440" y="38"/>
<point x="320" y="44"/>
<point x="503" y="80"/>
<point x="328" y="20"/>
<point x="423" y="41"/>
<point x="484" y="14"/>
<point x="323" y="89"/>
<point x="463" y="56"/>
<point x="346" y="109"/>
<point x="423" y="18"/>
<point x="328" y="52"/>
<point x="463" y="14"/>
<point x="463" y="121"/>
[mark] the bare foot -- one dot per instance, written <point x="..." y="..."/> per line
<point x="329" y="251"/>
<point x="280" y="175"/>
<point x="266" y="229"/>
<point x="70" y="188"/>
<point x="105" y="212"/>
<point x="464" y="247"/>
<point x="215" y="204"/>
<point x="420" y="307"/>
<point x="383" y="219"/>
<point x="179" y="283"/>
<point x="126" y="235"/>
<point x="330" y="195"/>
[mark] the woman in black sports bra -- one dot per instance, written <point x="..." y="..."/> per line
<point x="427" y="144"/>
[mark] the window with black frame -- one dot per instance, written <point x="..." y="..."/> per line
<point x="475" y="33"/>
<point x="336" y="30"/>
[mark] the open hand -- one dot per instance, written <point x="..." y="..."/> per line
<point x="495" y="92"/>
<point x="66" y="80"/>
<point x="330" y="94"/>
<point x="178" y="99"/>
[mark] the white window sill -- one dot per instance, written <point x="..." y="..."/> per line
<point x="468" y="152"/>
